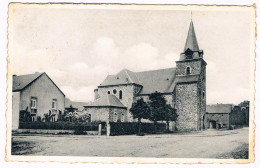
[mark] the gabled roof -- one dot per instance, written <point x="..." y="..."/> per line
<point x="21" y="81"/>
<point x="151" y="81"/>
<point x="219" y="108"/>
<point x="191" y="41"/>
<point x="123" y="77"/>
<point x="156" y="80"/>
<point x="106" y="101"/>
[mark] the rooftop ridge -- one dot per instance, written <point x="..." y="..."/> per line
<point x="155" y="70"/>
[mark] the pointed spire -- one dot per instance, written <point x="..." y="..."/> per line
<point x="191" y="41"/>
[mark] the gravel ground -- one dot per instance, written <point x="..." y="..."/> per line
<point x="204" y="144"/>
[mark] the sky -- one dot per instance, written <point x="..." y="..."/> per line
<point x="78" y="47"/>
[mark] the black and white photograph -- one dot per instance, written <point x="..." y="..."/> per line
<point x="163" y="82"/>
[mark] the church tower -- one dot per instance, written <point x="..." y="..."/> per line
<point x="190" y="90"/>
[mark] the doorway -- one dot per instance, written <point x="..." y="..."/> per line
<point x="212" y="124"/>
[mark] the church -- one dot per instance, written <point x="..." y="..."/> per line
<point x="183" y="86"/>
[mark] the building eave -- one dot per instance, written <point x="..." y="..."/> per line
<point x="124" y="84"/>
<point x="105" y="107"/>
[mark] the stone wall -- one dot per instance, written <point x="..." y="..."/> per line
<point x="128" y="95"/>
<point x="187" y="107"/>
<point x="194" y="65"/>
<point x="45" y="91"/>
<point x="106" y="114"/>
<point x="98" y="113"/>
<point x="121" y="115"/>
<point x="203" y="96"/>
<point x="222" y="120"/>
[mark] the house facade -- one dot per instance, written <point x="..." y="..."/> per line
<point x="183" y="86"/>
<point x="218" y="116"/>
<point x="225" y="115"/>
<point x="37" y="95"/>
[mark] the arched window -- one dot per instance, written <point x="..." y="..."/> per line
<point x="203" y="95"/>
<point x="115" y="117"/>
<point x="120" y="94"/>
<point x="122" y="118"/>
<point x="114" y="91"/>
<point x="108" y="92"/>
<point x="188" y="70"/>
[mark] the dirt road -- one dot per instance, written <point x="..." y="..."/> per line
<point x="204" y="144"/>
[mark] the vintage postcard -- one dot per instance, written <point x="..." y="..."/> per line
<point x="111" y="83"/>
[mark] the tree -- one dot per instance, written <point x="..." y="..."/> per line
<point x="244" y="103"/>
<point x="169" y="115"/>
<point x="157" y="105"/>
<point x="140" y="110"/>
<point x="160" y="110"/>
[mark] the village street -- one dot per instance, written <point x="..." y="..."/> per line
<point x="204" y="144"/>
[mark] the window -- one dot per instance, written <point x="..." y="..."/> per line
<point x="54" y="104"/>
<point x="203" y="95"/>
<point x="33" y="103"/>
<point x="53" y="119"/>
<point x="188" y="71"/>
<point x="122" y="118"/>
<point x="108" y="92"/>
<point x="120" y="94"/>
<point x="115" y="117"/>
<point x="114" y="91"/>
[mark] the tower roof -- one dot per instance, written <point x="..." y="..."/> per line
<point x="191" y="41"/>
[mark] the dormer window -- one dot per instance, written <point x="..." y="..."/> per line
<point x="188" y="71"/>
<point x="188" y="53"/>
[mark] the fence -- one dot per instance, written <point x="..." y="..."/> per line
<point x="127" y="128"/>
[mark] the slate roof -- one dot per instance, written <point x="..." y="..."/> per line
<point x="123" y="77"/>
<point x="191" y="41"/>
<point x="106" y="101"/>
<point x="156" y="80"/>
<point x="219" y="108"/>
<point x="162" y="80"/>
<point x="21" y="81"/>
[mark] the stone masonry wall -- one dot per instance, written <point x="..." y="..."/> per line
<point x="222" y="119"/>
<point x="98" y="114"/>
<point x="106" y="114"/>
<point x="128" y="95"/>
<point x="187" y="107"/>
<point x="203" y="98"/>
<point x="195" y="67"/>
